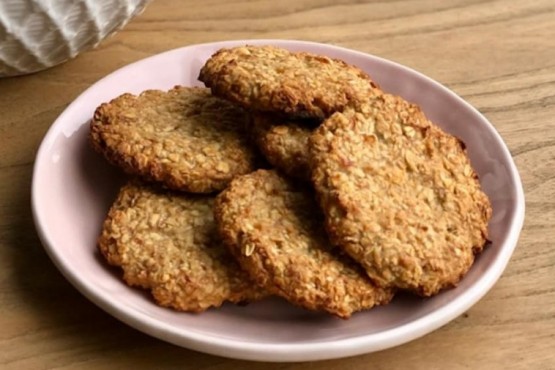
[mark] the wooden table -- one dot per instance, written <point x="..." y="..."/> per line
<point x="498" y="55"/>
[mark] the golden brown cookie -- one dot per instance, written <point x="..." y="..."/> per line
<point x="400" y="195"/>
<point x="274" y="229"/>
<point x="297" y="84"/>
<point x="167" y="242"/>
<point x="185" y="138"/>
<point x="284" y="143"/>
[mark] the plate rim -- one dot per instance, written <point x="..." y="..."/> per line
<point x="299" y="351"/>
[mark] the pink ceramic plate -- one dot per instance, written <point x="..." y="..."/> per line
<point x="73" y="188"/>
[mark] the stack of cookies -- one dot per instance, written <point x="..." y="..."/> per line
<point x="291" y="174"/>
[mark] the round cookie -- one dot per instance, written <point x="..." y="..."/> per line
<point x="185" y="138"/>
<point x="399" y="195"/>
<point x="297" y="84"/>
<point x="166" y="242"/>
<point x="284" y="143"/>
<point x="274" y="229"/>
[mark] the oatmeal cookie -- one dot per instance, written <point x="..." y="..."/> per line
<point x="284" y="143"/>
<point x="297" y="84"/>
<point x="166" y="242"/>
<point x="275" y="230"/>
<point x="184" y="138"/>
<point x="399" y="195"/>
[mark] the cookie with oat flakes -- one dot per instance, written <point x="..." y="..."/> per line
<point x="166" y="242"/>
<point x="184" y="138"/>
<point x="275" y="230"/>
<point x="400" y="195"/>
<point x="276" y="80"/>
<point x="284" y="143"/>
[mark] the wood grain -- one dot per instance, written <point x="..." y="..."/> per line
<point x="498" y="55"/>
